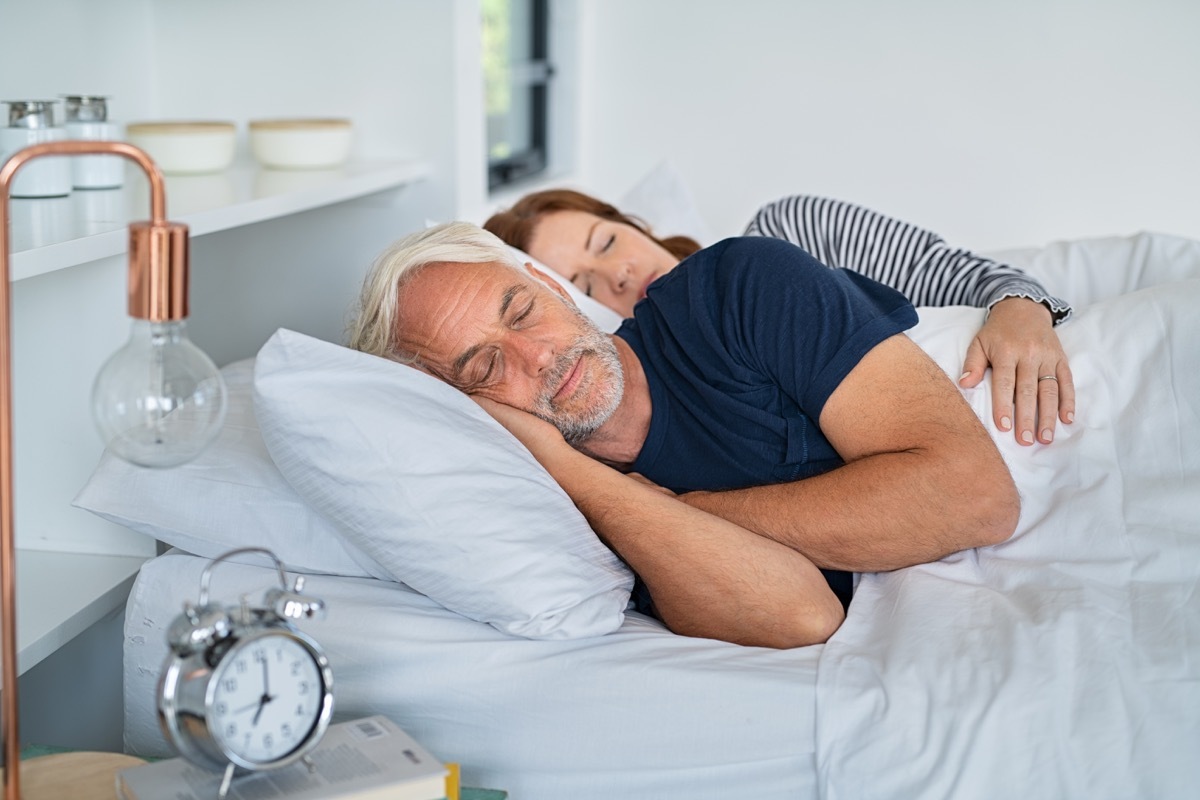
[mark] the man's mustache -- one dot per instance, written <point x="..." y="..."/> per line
<point x="562" y="367"/>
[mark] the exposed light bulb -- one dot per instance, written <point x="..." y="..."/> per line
<point x="159" y="400"/>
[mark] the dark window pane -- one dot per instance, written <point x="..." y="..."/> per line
<point x="515" y="76"/>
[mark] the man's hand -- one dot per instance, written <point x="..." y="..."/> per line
<point x="539" y="437"/>
<point x="1029" y="370"/>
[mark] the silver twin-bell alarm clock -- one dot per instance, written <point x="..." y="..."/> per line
<point x="242" y="689"/>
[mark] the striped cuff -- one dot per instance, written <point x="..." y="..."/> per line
<point x="1060" y="311"/>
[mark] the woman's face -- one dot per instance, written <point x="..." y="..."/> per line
<point x="609" y="261"/>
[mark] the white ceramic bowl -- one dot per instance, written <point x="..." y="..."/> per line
<point x="300" y="143"/>
<point x="184" y="148"/>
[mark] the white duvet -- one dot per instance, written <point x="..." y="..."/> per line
<point x="1064" y="663"/>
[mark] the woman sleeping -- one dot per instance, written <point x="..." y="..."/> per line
<point x="613" y="257"/>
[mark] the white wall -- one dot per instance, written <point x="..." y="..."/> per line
<point x="391" y="66"/>
<point x="54" y="47"/>
<point x="994" y="123"/>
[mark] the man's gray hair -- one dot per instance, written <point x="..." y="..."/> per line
<point x="375" y="326"/>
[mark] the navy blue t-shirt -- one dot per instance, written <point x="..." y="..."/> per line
<point x="742" y="345"/>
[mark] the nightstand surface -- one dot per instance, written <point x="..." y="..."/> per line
<point x="72" y="776"/>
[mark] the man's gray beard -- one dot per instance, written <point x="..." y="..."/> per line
<point x="599" y="345"/>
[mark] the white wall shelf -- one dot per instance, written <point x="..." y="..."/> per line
<point x="60" y="595"/>
<point x="56" y="233"/>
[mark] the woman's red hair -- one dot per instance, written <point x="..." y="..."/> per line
<point x="516" y="225"/>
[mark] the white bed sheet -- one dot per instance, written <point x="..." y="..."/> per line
<point x="637" y="713"/>
<point x="1064" y="663"/>
<point x="1086" y="271"/>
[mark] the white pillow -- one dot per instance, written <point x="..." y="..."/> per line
<point x="230" y="496"/>
<point x="420" y="478"/>
<point x="661" y="198"/>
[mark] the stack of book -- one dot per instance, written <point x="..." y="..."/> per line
<point x="367" y="759"/>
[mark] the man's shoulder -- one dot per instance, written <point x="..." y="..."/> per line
<point x="743" y="268"/>
<point x="735" y="279"/>
<point x="741" y="248"/>
<point x="751" y="260"/>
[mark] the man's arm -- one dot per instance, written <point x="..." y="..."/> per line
<point x="922" y="478"/>
<point x="708" y="577"/>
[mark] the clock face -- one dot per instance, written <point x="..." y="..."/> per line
<point x="267" y="695"/>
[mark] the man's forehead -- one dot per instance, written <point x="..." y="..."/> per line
<point x="442" y="302"/>
<point x="450" y="280"/>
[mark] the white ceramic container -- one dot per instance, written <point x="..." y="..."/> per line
<point x="185" y="148"/>
<point x="301" y="143"/>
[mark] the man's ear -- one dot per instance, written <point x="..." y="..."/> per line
<point x="546" y="279"/>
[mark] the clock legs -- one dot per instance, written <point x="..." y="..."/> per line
<point x="226" y="782"/>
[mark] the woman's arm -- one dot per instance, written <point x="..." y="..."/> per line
<point x="1032" y="385"/>
<point x="915" y="262"/>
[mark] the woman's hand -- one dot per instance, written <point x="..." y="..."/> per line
<point x="1031" y="380"/>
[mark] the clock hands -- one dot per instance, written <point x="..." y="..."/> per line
<point x="255" y="704"/>
<point x="266" y="695"/>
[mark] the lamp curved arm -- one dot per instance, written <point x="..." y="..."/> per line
<point x="158" y="249"/>
<point x="158" y="193"/>
<point x="158" y="290"/>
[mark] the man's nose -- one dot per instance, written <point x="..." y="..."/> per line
<point x="536" y="353"/>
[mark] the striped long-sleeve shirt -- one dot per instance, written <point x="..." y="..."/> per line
<point x="911" y="260"/>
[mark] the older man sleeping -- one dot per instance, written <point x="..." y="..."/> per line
<point x="796" y="429"/>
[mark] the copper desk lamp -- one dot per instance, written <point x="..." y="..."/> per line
<point x="159" y="401"/>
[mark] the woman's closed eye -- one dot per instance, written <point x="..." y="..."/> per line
<point x="582" y="282"/>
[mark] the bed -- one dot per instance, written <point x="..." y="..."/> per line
<point x="1062" y="663"/>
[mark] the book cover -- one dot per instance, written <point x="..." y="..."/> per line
<point x="366" y="759"/>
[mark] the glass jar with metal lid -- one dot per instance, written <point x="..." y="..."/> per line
<point x="32" y="122"/>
